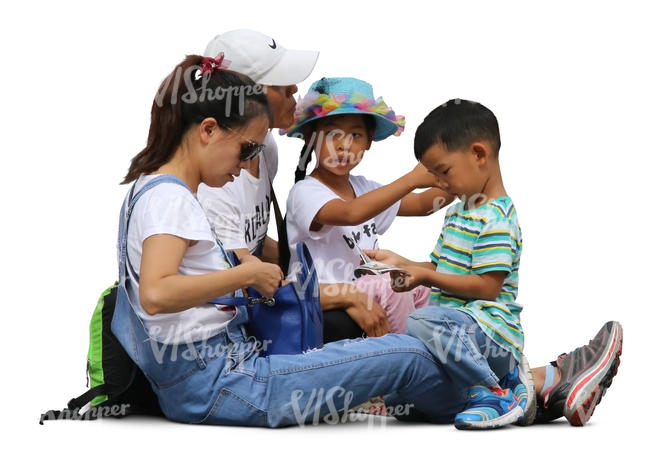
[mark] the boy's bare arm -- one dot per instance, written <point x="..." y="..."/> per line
<point x="486" y="286"/>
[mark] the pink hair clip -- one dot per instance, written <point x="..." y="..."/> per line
<point x="209" y="64"/>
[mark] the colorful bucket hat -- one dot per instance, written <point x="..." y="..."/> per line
<point x="344" y="95"/>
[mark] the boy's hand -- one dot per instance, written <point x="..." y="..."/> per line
<point x="403" y="282"/>
<point x="422" y="178"/>
<point x="387" y="257"/>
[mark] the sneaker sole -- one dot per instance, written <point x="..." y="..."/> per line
<point x="530" y="411"/>
<point x="590" y="388"/>
<point x="499" y="422"/>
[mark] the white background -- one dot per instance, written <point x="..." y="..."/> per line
<point x="568" y="83"/>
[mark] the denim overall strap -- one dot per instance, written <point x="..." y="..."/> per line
<point x="240" y="301"/>
<point x="151" y="355"/>
<point x="125" y="218"/>
<point x="124" y="261"/>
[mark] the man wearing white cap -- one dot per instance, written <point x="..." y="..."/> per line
<point x="241" y="209"/>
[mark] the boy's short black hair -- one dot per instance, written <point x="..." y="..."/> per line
<point x="457" y="124"/>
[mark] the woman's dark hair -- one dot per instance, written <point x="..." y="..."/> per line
<point x="187" y="97"/>
<point x="310" y="141"/>
<point x="457" y="124"/>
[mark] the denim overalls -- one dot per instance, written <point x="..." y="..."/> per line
<point x="224" y="380"/>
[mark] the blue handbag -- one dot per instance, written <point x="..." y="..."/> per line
<point x="292" y="321"/>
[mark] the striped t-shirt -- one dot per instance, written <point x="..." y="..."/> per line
<point x="476" y="241"/>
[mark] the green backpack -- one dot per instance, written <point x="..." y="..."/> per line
<point x="117" y="386"/>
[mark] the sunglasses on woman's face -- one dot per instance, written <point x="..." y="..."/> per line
<point x="250" y="149"/>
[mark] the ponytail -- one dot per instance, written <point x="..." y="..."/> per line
<point x="306" y="152"/>
<point x="303" y="162"/>
<point x="195" y="90"/>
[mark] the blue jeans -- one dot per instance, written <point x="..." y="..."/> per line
<point x="460" y="346"/>
<point x="228" y="382"/>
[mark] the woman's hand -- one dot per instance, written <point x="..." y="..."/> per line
<point x="368" y="314"/>
<point x="263" y="276"/>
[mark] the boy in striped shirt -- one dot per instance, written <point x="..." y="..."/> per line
<point x="472" y="324"/>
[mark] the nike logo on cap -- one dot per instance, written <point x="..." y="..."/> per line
<point x="273" y="46"/>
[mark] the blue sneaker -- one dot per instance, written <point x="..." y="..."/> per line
<point x="489" y="407"/>
<point x="520" y="381"/>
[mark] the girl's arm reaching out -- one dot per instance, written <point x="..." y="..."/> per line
<point x="391" y="258"/>
<point x="338" y="212"/>
<point x="425" y="203"/>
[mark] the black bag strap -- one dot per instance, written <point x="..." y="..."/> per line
<point x="85" y="398"/>
<point x="281" y="224"/>
<point x="71" y="411"/>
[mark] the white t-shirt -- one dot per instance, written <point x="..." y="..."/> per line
<point x="241" y="210"/>
<point x="168" y="208"/>
<point x="332" y="247"/>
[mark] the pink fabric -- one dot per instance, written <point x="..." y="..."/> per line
<point x="398" y="305"/>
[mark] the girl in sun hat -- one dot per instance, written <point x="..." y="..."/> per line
<point x="336" y="213"/>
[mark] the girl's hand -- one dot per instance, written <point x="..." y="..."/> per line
<point x="264" y="277"/>
<point x="403" y="282"/>
<point x="422" y="178"/>
<point x="368" y="314"/>
<point x="387" y="257"/>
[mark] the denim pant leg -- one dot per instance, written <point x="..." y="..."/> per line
<point x="460" y="346"/>
<point x="303" y="389"/>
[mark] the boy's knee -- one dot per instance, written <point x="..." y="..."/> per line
<point x="426" y="312"/>
<point x="420" y="326"/>
<point x="429" y="315"/>
<point x="430" y="323"/>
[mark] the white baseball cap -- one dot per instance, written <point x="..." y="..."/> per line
<point x="259" y="57"/>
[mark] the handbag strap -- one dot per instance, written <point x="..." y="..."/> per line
<point x="276" y="210"/>
<point x="243" y="301"/>
<point x="283" y="241"/>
